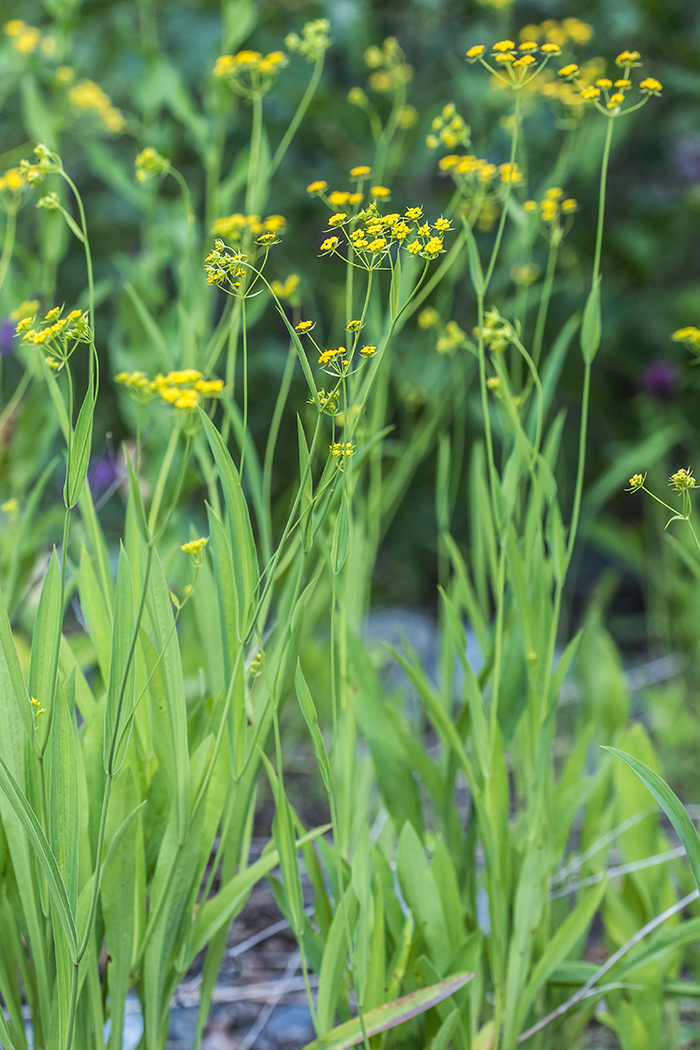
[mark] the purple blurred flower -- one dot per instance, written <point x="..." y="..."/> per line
<point x="659" y="379"/>
<point x="7" y="336"/>
<point x="102" y="474"/>
<point x="686" y="156"/>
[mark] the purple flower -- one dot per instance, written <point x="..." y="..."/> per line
<point x="7" y="337"/>
<point x="102" y="474"/>
<point x="659" y="379"/>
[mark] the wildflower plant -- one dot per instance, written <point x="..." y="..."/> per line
<point x="131" y="832"/>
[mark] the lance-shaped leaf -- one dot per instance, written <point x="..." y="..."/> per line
<point x="390" y="1015"/>
<point x="672" y="807"/>
<point x="79" y="455"/>
<point x="42" y="849"/>
<point x="245" y="562"/>
<point x="121" y="689"/>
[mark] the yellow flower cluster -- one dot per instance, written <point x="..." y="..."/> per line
<point x="342" y="449"/>
<point x="150" y="163"/>
<point x="338" y="362"/>
<point x="682" y="480"/>
<point x="513" y="65"/>
<point x="195" y="547"/>
<point x="690" y="336"/>
<point x="235" y="227"/>
<point x="57" y="334"/>
<point x="496" y="333"/>
<point x="390" y="71"/>
<point x="553" y="207"/>
<point x="287" y="289"/>
<point x="27" y="39"/>
<point x="370" y="236"/>
<point x="184" y="389"/>
<point x="609" y="96"/>
<point x="250" y="73"/>
<point x="568" y="31"/>
<point x="13" y="180"/>
<point x="636" y="482"/>
<point x="88" y="95"/>
<point x="314" y="41"/>
<point x="453" y="338"/>
<point x="448" y="130"/>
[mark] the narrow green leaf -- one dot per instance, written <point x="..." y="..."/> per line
<point x="383" y="1018"/>
<point x="45" y="644"/>
<point x="42" y="849"/>
<point x="63" y="801"/>
<point x="308" y="709"/>
<point x="283" y="831"/>
<point x="135" y="498"/>
<point x="301" y="354"/>
<point x="121" y="688"/>
<point x="10" y="668"/>
<point x="441" y="1040"/>
<point x="79" y="456"/>
<point x="245" y="562"/>
<point x="591" y="326"/>
<point x="341" y="534"/>
<point x="671" y="805"/>
<point x="305" y="507"/>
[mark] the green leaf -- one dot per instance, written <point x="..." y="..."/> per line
<point x="383" y="1018"/>
<point x="10" y="668"/>
<point x="79" y="455"/>
<point x="308" y="710"/>
<point x="121" y="688"/>
<point x="341" y="534"/>
<point x="63" y="802"/>
<point x="45" y="643"/>
<point x="42" y="849"/>
<point x="245" y="562"/>
<point x="591" y="326"/>
<point x="671" y="805"/>
<point x="306" y="501"/>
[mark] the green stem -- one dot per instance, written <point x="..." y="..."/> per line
<point x="298" y="116"/>
<point x="253" y="184"/>
<point x="162" y="478"/>
<point x="8" y="245"/>
<point x="544" y="301"/>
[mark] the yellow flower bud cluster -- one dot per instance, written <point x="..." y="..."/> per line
<point x="28" y="39"/>
<point x="568" y="31"/>
<point x="89" y="96"/>
<point x="608" y="95"/>
<point x="497" y="333"/>
<point x="449" y="129"/>
<point x="184" y="389"/>
<point x="238" y="227"/>
<point x="313" y="42"/>
<point x="390" y="71"/>
<point x="371" y="236"/>
<point x="149" y="163"/>
<point x="194" y="548"/>
<point x="553" y="208"/>
<point x="287" y="290"/>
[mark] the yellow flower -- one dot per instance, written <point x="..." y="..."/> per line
<point x="414" y="213"/>
<point x="651" y="84"/>
<point x="317" y="187"/>
<point x="568" y="71"/>
<point x="195" y="547"/>
<point x="353" y="326"/>
<point x="368" y="350"/>
<point x="442" y="224"/>
<point x="687" y="335"/>
<point x="209" y="386"/>
<point x="360" y="171"/>
<point x="493" y="383"/>
<point x="504" y="45"/>
<point x="589" y="93"/>
<point x="603" y="82"/>
<point x="379" y="192"/>
<point x="636" y="482"/>
<point x="330" y="244"/>
<point x="615" y="100"/>
<point x="338" y="197"/>
<point x="627" y="58"/>
<point x="510" y="173"/>
<point x="9" y="506"/>
<point x="337" y="219"/>
<point x="342" y="449"/>
<point x="682" y="480"/>
<point x="551" y="49"/>
<point x="476" y="51"/>
<point x="528" y="45"/>
<point x="304" y="326"/>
